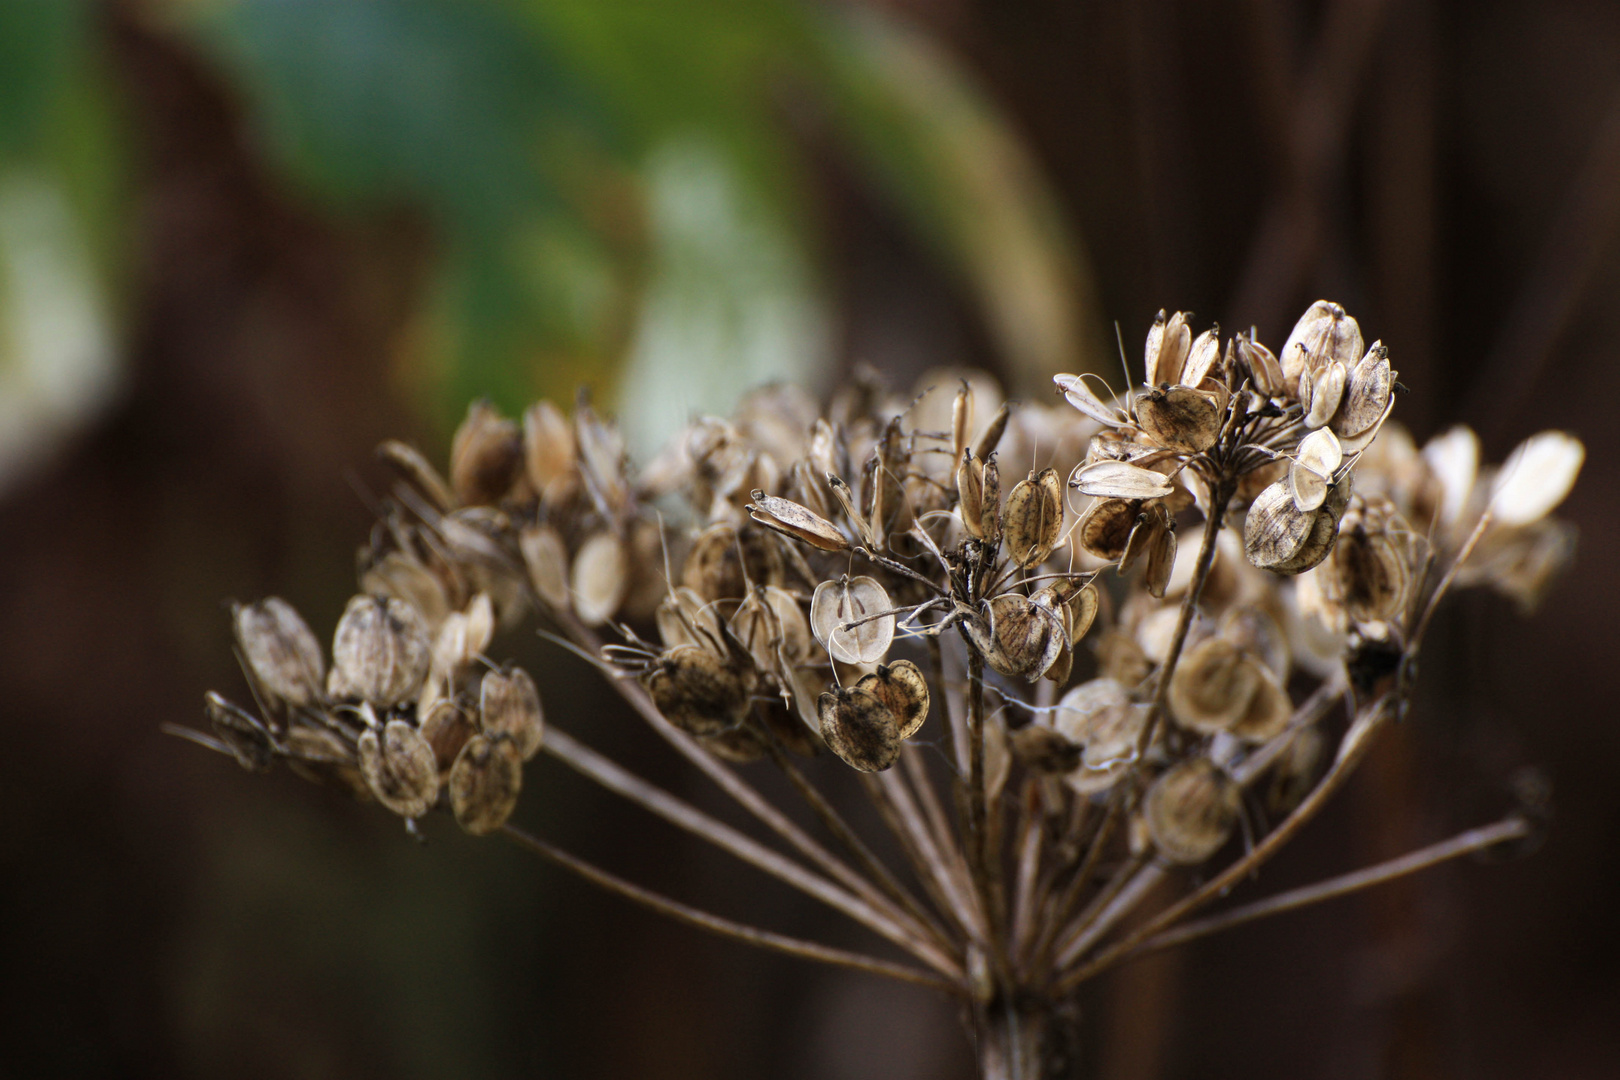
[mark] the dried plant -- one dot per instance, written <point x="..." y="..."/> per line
<point x="791" y="581"/>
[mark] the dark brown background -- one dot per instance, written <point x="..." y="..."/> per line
<point x="1449" y="171"/>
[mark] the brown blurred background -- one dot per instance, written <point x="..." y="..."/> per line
<point x="241" y="242"/>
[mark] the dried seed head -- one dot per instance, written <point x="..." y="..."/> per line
<point x="509" y="705"/>
<point x="399" y="768"/>
<point x="1180" y="418"/>
<point x="249" y="740"/>
<point x="380" y="652"/>
<point x="1190" y="811"/>
<point x="548" y="447"/>
<point x="1323" y="334"/>
<point x="281" y="650"/>
<point x="1106" y="526"/>
<point x="860" y="728"/>
<point x="1044" y="750"/>
<point x="1024" y="638"/>
<point x="1033" y="519"/>
<point x="844" y="618"/>
<point x="1168" y="343"/>
<point x="600" y="578"/>
<point x="485" y="456"/>
<point x="900" y="686"/>
<point x="697" y="691"/>
<point x="798" y="522"/>
<point x="546" y="558"/>
<point x="1213" y="686"/>
<point x="485" y="782"/>
<point x="1279" y="537"/>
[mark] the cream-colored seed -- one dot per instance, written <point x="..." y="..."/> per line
<point x="281" y="650"/>
<point x="485" y="782"/>
<point x="1033" y="520"/>
<point x="600" y="578"/>
<point x="545" y="556"/>
<point x="400" y="768"/>
<point x="380" y="652"/>
<point x="847" y="617"/>
<point x="509" y="705"/>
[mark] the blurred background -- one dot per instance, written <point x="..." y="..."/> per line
<point x="241" y="241"/>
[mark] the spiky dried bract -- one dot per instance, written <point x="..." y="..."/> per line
<point x="380" y="652"/>
<point x="1190" y="811"/>
<point x="851" y="618"/>
<point x="509" y="704"/>
<point x="485" y="782"/>
<point x="400" y="768"/>
<point x="1032" y="521"/>
<point x="860" y="728"/>
<point x="697" y="691"/>
<point x="799" y="522"/>
<point x="281" y="650"/>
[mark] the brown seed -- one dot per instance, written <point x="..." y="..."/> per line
<point x="697" y="691"/>
<point x="684" y="618"/>
<point x="1033" y="517"/>
<point x="281" y="650"/>
<point x="970" y="494"/>
<point x="1366" y="394"/>
<point x="485" y="456"/>
<point x="1190" y="811"/>
<point x="1279" y="537"/>
<point x="1180" y="418"/>
<point x="1153" y="520"/>
<point x="1321" y="392"/>
<point x="600" y="578"/>
<point x="1269" y="709"/>
<point x="485" y="782"/>
<point x="380" y="652"/>
<point x="1201" y="357"/>
<point x="317" y="754"/>
<point x="798" y="522"/>
<point x="546" y="557"/>
<point x="845" y="616"/>
<point x="903" y="690"/>
<point x="860" y="728"/>
<point x="990" y="499"/>
<point x="1106" y="526"/>
<point x="447" y="727"/>
<point x="1168" y="343"/>
<point x="990" y="438"/>
<point x="406" y="578"/>
<point x="509" y="705"/>
<point x="1120" y="480"/>
<point x="399" y="768"/>
<point x="1044" y="750"/>
<point x="409" y="463"/>
<point x="1323" y="334"/>
<point x="772" y="629"/>
<point x="247" y="737"/>
<point x="548" y="445"/>
<point x="1265" y="373"/>
<point x="1027" y="638"/>
<point x="1213" y="686"/>
<point x="1161" y="554"/>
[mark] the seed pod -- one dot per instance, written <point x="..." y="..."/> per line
<point x="409" y="463"/>
<point x="380" y="652"/>
<point x="1323" y="334"/>
<point x="1034" y="518"/>
<point x="1279" y="537"/>
<point x="1078" y="394"/>
<point x="697" y="691"/>
<point x="1168" y="343"/>
<point x="600" y="578"/>
<point x="1255" y="631"/>
<point x="601" y="456"/>
<point x="509" y="705"/>
<point x="1161" y="551"/>
<point x="1120" y="480"/>
<point x="405" y="578"/>
<point x="447" y="727"/>
<point x="1153" y="519"/>
<point x="1312" y="469"/>
<point x="1025" y="639"/>
<point x="319" y="755"/>
<point x="860" y="728"/>
<point x="1106" y="526"/>
<point x="844" y="618"/>
<point x="399" y="768"/>
<point x="1213" y="686"/>
<point x="1265" y="373"/>
<point x="546" y="557"/>
<point x="1535" y="477"/>
<point x="1201" y="357"/>
<point x="1180" y="418"/>
<point x="548" y="445"/>
<point x="1044" y="750"/>
<point x="485" y="782"/>
<point x="1190" y="811"/>
<point x="485" y="455"/>
<point x="1367" y="394"/>
<point x="990" y="511"/>
<point x="684" y="619"/>
<point x="771" y="627"/>
<point x="281" y="651"/>
<point x="900" y="686"/>
<point x="799" y="522"/>
<point x="1111" y="750"/>
<point x="248" y="739"/>
<point x="990" y="437"/>
<point x="970" y="494"/>
<point x="1321" y="392"/>
<point x="1269" y="709"/>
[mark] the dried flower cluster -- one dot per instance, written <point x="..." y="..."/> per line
<point x="862" y="580"/>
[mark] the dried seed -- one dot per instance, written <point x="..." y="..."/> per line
<point x="990" y="499"/>
<point x="1265" y="373"/>
<point x="684" y="618"/>
<point x="1213" y="686"/>
<point x="485" y="456"/>
<point x="1321" y="392"/>
<point x="697" y="691"/>
<point x="1312" y="469"/>
<point x="1269" y="709"/>
<point x="771" y="627"/>
<point x="1105" y="528"/>
<point x="600" y="578"/>
<point x="380" y="652"/>
<point x="1044" y="750"/>
<point x="844" y="616"/>
<point x="399" y="768"/>
<point x="1168" y="344"/>
<point x="1278" y="536"/>
<point x="319" y="755"/>
<point x="1323" y="334"/>
<point x="1190" y="811"/>
<point x="281" y="650"/>
<point x="993" y="431"/>
<point x="860" y="728"/>
<point x="1180" y="418"/>
<point x="1367" y="394"/>
<point x="1161" y="553"/>
<point x="1078" y="394"/>
<point x="405" y="578"/>
<point x="970" y="494"/>
<point x="798" y="522"/>
<point x="509" y="705"/>
<point x="548" y="445"/>
<point x="903" y="690"/>
<point x="447" y="727"/>
<point x="546" y="557"/>
<point x="1201" y="357"/>
<point x="1033" y="519"/>
<point x="846" y="499"/>
<point x="1153" y="520"/>
<point x="1535" y="477"/>
<point x="409" y="463"/>
<point x="485" y="782"/>
<point x="1120" y="480"/>
<point x="248" y="738"/>
<point x="1028" y="638"/>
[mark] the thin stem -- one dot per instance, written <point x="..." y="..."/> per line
<point x="1124" y="891"/>
<point x="1031" y="833"/>
<point x="1088" y="865"/>
<point x="1309" y="712"/>
<point x="752" y="935"/>
<point x="654" y="799"/>
<point x="1510" y="828"/>
<point x="894" y="802"/>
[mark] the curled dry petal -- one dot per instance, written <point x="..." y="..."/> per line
<point x="845" y="617"/>
<point x="1536" y="477"/>
<point x="799" y="522"/>
<point x="1121" y="480"/>
<point x="280" y="650"/>
<point x="485" y="782"/>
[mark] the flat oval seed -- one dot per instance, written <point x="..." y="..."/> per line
<point x="1190" y="811"/>
<point x="1121" y="480"/>
<point x="843" y="617"/>
<point x="859" y="728"/>
<point x="902" y="688"/>
<point x="485" y="782"/>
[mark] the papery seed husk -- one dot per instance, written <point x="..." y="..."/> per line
<point x="446" y="727"/>
<point x="280" y="650"/>
<point x="1111" y="750"/>
<point x="1322" y="335"/>
<point x="546" y="558"/>
<point x="485" y="782"/>
<point x="1324" y="530"/>
<point x="601" y="455"/>
<point x="1033" y="518"/>
<point x="1257" y="632"/>
<point x="380" y="652"/>
<point x="1161" y="556"/>
<point x="548" y="445"/>
<point x="1028" y="637"/>
<point x="485" y="455"/>
<point x="409" y="463"/>
<point x="846" y="499"/>
<point x="903" y="690"/>
<point x="1044" y="750"/>
<point x="990" y="438"/>
<point x="1278" y="536"/>
<point x="1371" y="573"/>
<point x="1366" y="393"/>
<point x="1153" y="520"/>
<point x="1105" y="528"/>
<point x="860" y="728"/>
<point x="1322" y="394"/>
<point x="1535" y="477"/>
<point x="1212" y="686"/>
<point x="852" y="600"/>
<point x="990" y="512"/>
<point x="405" y="578"/>
<point x="509" y="704"/>
<point x="1190" y="811"/>
<point x="1078" y="394"/>
<point x="757" y="629"/>
<point x="796" y="521"/>
<point x="970" y="494"/>
<point x="399" y="767"/>
<point x="1121" y="480"/>
<point x="1080" y="712"/>
<point x="1269" y="709"/>
<point x="1201" y="357"/>
<point x="683" y="618"/>
<point x="319" y="755"/>
<point x="1308" y="488"/>
<point x="463" y="636"/>
<point x="600" y="577"/>
<point x="697" y="691"/>
<point x="247" y="737"/>
<point x="1180" y="418"/>
<point x="1168" y="343"/>
<point x="1320" y="452"/>
<point x="1265" y="372"/>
